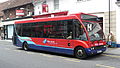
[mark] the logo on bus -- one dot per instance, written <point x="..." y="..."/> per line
<point x="45" y="41"/>
<point x="49" y="42"/>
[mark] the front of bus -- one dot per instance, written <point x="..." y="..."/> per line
<point x="94" y="33"/>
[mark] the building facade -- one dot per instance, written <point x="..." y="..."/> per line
<point x="118" y="21"/>
<point x="109" y="10"/>
<point x="2" y="5"/>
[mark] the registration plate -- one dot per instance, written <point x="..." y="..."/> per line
<point x="99" y="51"/>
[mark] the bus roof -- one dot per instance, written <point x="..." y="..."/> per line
<point x="47" y="19"/>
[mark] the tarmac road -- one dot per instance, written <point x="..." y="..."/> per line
<point x="14" y="57"/>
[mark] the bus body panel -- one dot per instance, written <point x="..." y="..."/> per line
<point x="44" y="44"/>
<point x="83" y="44"/>
<point x="47" y="44"/>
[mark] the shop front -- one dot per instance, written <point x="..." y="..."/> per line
<point x="9" y="26"/>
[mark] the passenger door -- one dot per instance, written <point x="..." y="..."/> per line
<point x="64" y="35"/>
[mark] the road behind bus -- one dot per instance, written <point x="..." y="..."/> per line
<point x="14" y="57"/>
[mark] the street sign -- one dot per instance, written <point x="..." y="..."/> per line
<point x="20" y="12"/>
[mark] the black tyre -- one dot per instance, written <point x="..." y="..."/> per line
<point x="80" y="53"/>
<point x="25" y="46"/>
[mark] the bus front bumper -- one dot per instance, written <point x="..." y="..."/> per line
<point x="96" y="50"/>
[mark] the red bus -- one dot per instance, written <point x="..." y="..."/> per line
<point x="75" y="34"/>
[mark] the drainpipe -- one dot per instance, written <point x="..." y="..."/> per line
<point x="109" y="16"/>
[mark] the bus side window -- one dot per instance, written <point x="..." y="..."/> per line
<point x="19" y="29"/>
<point x="70" y="29"/>
<point x="61" y="29"/>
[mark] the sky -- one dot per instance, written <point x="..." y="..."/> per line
<point x="2" y="1"/>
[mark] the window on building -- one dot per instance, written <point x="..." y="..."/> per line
<point x="44" y="2"/>
<point x="56" y="4"/>
<point x="79" y="0"/>
<point x="7" y="14"/>
<point x="83" y="0"/>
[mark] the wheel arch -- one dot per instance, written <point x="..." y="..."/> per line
<point x="77" y="47"/>
<point x="24" y="43"/>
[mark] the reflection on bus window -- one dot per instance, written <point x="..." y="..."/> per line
<point x="52" y="29"/>
<point x="94" y="31"/>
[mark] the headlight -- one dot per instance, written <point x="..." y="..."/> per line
<point x="104" y="46"/>
<point x="92" y="48"/>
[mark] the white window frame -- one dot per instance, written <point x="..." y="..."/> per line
<point x="56" y="4"/>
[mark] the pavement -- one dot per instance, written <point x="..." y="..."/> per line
<point x="6" y="40"/>
<point x="113" y="51"/>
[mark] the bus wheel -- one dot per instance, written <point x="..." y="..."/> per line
<point x="80" y="53"/>
<point x="25" y="46"/>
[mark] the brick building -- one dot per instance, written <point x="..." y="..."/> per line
<point x="2" y="5"/>
<point x="12" y="12"/>
<point x="13" y="5"/>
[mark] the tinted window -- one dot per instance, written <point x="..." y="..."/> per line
<point x="89" y="17"/>
<point x="18" y="29"/>
<point x="30" y="30"/>
<point x="51" y="29"/>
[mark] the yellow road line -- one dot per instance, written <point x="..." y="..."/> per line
<point x="17" y="50"/>
<point x="30" y="53"/>
<point x="63" y="57"/>
<point x="104" y="66"/>
<point x="73" y="60"/>
<point x="46" y="55"/>
<point x="114" y="56"/>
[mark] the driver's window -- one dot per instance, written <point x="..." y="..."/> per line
<point x="79" y="31"/>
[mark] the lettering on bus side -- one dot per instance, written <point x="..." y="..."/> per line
<point x="49" y="42"/>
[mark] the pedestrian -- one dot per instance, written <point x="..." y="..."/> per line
<point x="2" y="36"/>
<point x="111" y="40"/>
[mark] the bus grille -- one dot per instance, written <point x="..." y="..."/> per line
<point x="99" y="47"/>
